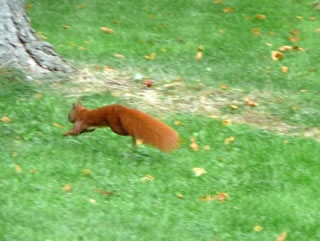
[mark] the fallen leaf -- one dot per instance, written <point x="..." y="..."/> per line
<point x="250" y="103"/>
<point x="213" y="116"/>
<point x="109" y="69"/>
<point x="318" y="30"/>
<point x="223" y="87"/>
<point x="284" y="69"/>
<point x="198" y="55"/>
<point x="300" y="17"/>
<point x="221" y="30"/>
<point x="179" y="195"/>
<point x="33" y="171"/>
<point x="313" y="18"/>
<point x="269" y="44"/>
<point x="194" y="146"/>
<point x="256" y="31"/>
<point x="57" y="125"/>
<point x="303" y="91"/>
<point x="147" y="178"/>
<point x="217" y="2"/>
<point x="197" y="171"/>
<point x="208" y="197"/>
<point x="28" y="6"/>
<point x="120" y="56"/>
<point x="179" y="123"/>
<point x="163" y="50"/>
<point x="92" y="200"/>
<point x="233" y="107"/>
<point x="18" y="169"/>
<point x="296" y="47"/>
<point x="227" y="122"/>
<point x="285" y="48"/>
<point x="81" y="6"/>
<point x="86" y="171"/>
<point x="116" y="21"/>
<point x="260" y="16"/>
<point x="38" y="95"/>
<point x="82" y="48"/>
<point x="294" y="38"/>
<point x="139" y="142"/>
<point x="5" y="119"/>
<point x="67" y="188"/>
<point x="275" y="55"/>
<point x="229" y="139"/>
<point x="200" y="48"/>
<point x="228" y="10"/>
<point x="86" y="42"/>
<point x="222" y="196"/>
<point x="147" y="82"/>
<point x="66" y="26"/>
<point x="104" y="192"/>
<point x="295" y="32"/>
<point x="282" y="236"/>
<point x="206" y="147"/>
<point x="257" y="228"/>
<point x="151" y="57"/>
<point x="107" y="30"/>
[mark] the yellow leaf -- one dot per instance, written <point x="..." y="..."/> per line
<point x="82" y="48"/>
<point x="147" y="178"/>
<point x="269" y="44"/>
<point x="179" y="123"/>
<point x="223" y="87"/>
<point x="250" y="103"/>
<point x="66" y="26"/>
<point x="227" y="122"/>
<point x="116" y="21"/>
<point x="300" y="17"/>
<point x="256" y="31"/>
<point x="228" y="10"/>
<point x="194" y="146"/>
<point x="257" y="228"/>
<point x="86" y="42"/>
<point x="18" y="169"/>
<point x="206" y="147"/>
<point x="151" y="57"/>
<point x="57" y="125"/>
<point x="208" y="197"/>
<point x="67" y="188"/>
<point x="200" y="48"/>
<point x="198" y="55"/>
<point x="5" y="119"/>
<point x="197" y="171"/>
<point x="233" y="107"/>
<point x="229" y="139"/>
<point x="163" y="50"/>
<point x="33" y="171"/>
<point x="294" y="38"/>
<point x="120" y="56"/>
<point x="221" y="30"/>
<point x="222" y="196"/>
<point x="303" y="91"/>
<point x="28" y="6"/>
<point x="107" y="30"/>
<point x="284" y="69"/>
<point x="313" y="18"/>
<point x="275" y="55"/>
<point x="179" y="195"/>
<point x="295" y="32"/>
<point x="86" y="171"/>
<point x="285" y="48"/>
<point x="92" y="200"/>
<point x="260" y="16"/>
<point x="217" y="2"/>
<point x="80" y="6"/>
<point x="318" y="30"/>
<point x="282" y="236"/>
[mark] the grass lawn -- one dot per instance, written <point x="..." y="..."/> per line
<point x="258" y="185"/>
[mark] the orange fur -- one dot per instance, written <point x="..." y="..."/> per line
<point x="126" y="122"/>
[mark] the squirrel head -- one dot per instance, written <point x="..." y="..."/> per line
<point x="73" y="112"/>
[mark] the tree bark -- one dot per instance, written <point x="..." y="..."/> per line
<point x="20" y="47"/>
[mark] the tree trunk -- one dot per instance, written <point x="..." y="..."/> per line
<point x="20" y="47"/>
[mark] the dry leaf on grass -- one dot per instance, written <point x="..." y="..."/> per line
<point x="282" y="236"/>
<point x="233" y="107"/>
<point x="276" y="55"/>
<point x="260" y="16"/>
<point x="250" y="103"/>
<point x="285" y="48"/>
<point x="179" y="195"/>
<point x="106" y="30"/>
<point x="198" y="55"/>
<point x="219" y="196"/>
<point x="256" y="31"/>
<point x="67" y="188"/>
<point x="227" y="122"/>
<point x="284" y="69"/>
<point x="229" y="139"/>
<point x="18" y="169"/>
<point x="120" y="56"/>
<point x="57" y="125"/>
<point x="257" y="228"/>
<point x="179" y="123"/>
<point x="147" y="178"/>
<point x="150" y="57"/>
<point x="194" y="146"/>
<point x="104" y="192"/>
<point x="206" y="147"/>
<point x="228" y="10"/>
<point x="223" y="87"/>
<point x="197" y="171"/>
<point x="294" y="38"/>
<point x="86" y="171"/>
<point x="5" y="119"/>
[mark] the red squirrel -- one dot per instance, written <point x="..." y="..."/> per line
<point x="125" y="122"/>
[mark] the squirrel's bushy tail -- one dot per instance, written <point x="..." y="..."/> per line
<point x="152" y="131"/>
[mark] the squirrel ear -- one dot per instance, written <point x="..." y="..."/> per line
<point x="79" y="103"/>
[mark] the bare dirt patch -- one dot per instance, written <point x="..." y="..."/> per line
<point x="177" y="96"/>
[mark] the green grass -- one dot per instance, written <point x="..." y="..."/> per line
<point x="272" y="180"/>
